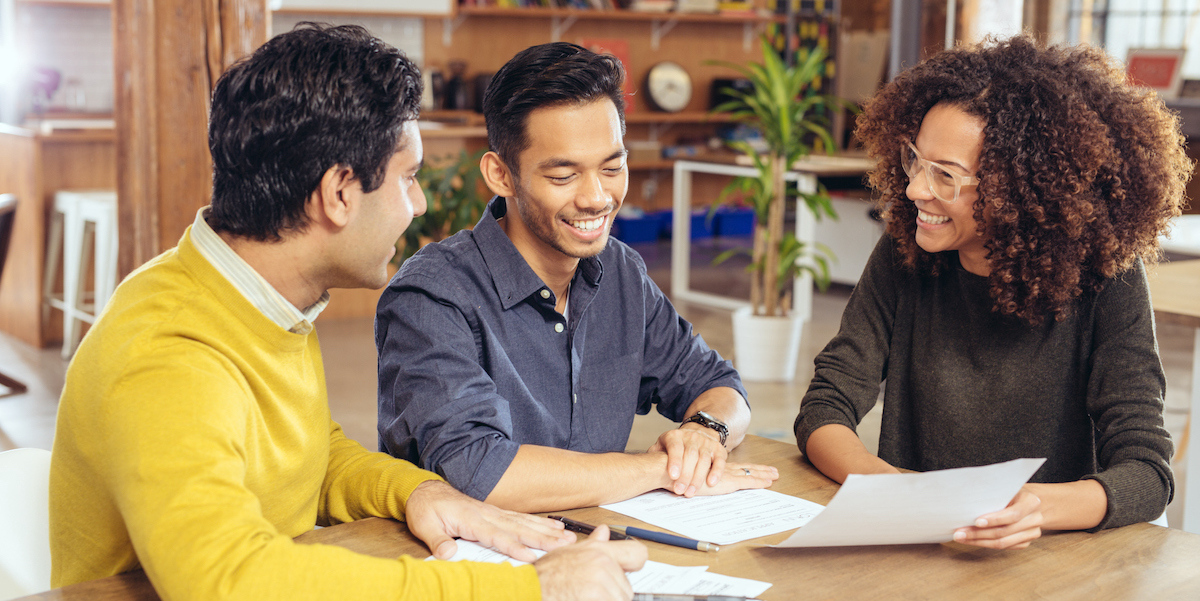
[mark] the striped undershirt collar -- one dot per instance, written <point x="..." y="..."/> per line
<point x="246" y="280"/>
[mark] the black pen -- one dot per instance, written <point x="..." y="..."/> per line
<point x="583" y="528"/>
<point x="664" y="538"/>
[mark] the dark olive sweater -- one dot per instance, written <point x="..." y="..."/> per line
<point x="966" y="386"/>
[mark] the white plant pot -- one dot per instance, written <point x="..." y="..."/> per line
<point x="766" y="349"/>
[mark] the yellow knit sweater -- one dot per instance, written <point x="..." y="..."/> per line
<point x="194" y="440"/>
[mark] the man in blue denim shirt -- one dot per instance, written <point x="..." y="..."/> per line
<point x="513" y="358"/>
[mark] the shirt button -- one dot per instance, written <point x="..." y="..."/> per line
<point x="574" y="398"/>
<point x="558" y="327"/>
<point x="545" y="293"/>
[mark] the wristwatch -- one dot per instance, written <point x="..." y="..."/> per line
<point x="709" y="421"/>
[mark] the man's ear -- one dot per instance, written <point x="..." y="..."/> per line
<point x="336" y="197"/>
<point x="497" y="175"/>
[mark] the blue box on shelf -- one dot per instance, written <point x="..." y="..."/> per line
<point x="632" y="229"/>
<point x="702" y="226"/>
<point x="734" y="221"/>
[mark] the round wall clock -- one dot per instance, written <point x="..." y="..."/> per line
<point x="669" y="87"/>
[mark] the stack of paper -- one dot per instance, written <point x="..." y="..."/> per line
<point x="724" y="519"/>
<point x="898" y="509"/>
<point x="655" y="577"/>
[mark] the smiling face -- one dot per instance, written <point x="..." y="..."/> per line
<point x="385" y="213"/>
<point x="572" y="180"/>
<point x="952" y="138"/>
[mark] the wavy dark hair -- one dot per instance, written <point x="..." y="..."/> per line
<point x="1079" y="172"/>
<point x="307" y="100"/>
<point x="546" y="75"/>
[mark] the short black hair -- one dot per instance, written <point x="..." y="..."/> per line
<point x="541" y="76"/>
<point x="307" y="100"/>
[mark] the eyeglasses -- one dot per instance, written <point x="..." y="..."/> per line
<point x="944" y="185"/>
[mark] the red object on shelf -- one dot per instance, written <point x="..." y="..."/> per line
<point x="620" y="49"/>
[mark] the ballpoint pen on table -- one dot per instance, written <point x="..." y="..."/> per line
<point x="664" y="538"/>
<point x="583" y="528"/>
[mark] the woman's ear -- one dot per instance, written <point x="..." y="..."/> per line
<point x="336" y="197"/>
<point x="498" y="177"/>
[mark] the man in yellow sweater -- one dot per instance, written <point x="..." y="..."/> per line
<point x="194" y="437"/>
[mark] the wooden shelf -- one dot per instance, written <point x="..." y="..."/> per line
<point x="357" y="12"/>
<point x="454" y="131"/>
<point x="469" y="118"/>
<point x="640" y="117"/>
<point x="473" y="119"/>
<point x="67" y="3"/>
<point x="78" y="135"/>
<point x="525" y="13"/>
<point x="617" y="15"/>
<point x="662" y="165"/>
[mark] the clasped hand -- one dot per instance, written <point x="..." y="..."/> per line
<point x="696" y="464"/>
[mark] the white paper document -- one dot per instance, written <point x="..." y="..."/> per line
<point x="723" y="519"/>
<point x="897" y="509"/>
<point x="654" y="577"/>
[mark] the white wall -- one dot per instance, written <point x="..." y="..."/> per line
<point x="1001" y="18"/>
<point x="77" y="41"/>
<point x="407" y="34"/>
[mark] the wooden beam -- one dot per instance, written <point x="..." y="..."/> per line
<point x="168" y="56"/>
<point x="21" y="283"/>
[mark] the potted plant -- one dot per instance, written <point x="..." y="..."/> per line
<point x="784" y="106"/>
<point x="453" y="198"/>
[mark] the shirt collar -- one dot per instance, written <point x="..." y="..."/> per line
<point x="253" y="286"/>
<point x="512" y="276"/>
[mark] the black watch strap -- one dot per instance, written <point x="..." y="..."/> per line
<point x="709" y="421"/>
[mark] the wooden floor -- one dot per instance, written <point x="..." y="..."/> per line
<point x="27" y="420"/>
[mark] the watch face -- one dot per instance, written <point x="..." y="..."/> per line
<point x="669" y="86"/>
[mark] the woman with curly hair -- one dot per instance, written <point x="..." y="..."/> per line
<point x="1006" y="310"/>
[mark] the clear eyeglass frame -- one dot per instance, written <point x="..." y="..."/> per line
<point x="943" y="184"/>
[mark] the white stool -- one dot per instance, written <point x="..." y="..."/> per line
<point x="79" y="217"/>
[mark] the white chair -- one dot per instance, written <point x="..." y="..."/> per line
<point x="79" y="217"/>
<point x="25" y="533"/>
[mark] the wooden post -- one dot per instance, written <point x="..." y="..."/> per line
<point x="168" y="56"/>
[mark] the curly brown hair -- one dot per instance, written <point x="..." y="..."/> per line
<point x="1079" y="172"/>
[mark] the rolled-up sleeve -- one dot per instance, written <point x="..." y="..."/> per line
<point x="437" y="406"/>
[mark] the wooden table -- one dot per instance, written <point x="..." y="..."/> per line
<point x="1175" y="294"/>
<point x="1135" y="562"/>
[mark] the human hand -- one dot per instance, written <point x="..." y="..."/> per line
<point x="1013" y="527"/>
<point x="741" y="476"/>
<point x="591" y="570"/>
<point x="436" y="513"/>
<point x="695" y="458"/>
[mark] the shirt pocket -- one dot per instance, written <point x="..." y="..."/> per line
<point x="608" y="401"/>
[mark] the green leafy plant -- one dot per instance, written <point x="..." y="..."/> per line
<point x="792" y="117"/>
<point x="454" y="201"/>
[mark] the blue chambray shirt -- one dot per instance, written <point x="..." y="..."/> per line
<point x="472" y="362"/>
